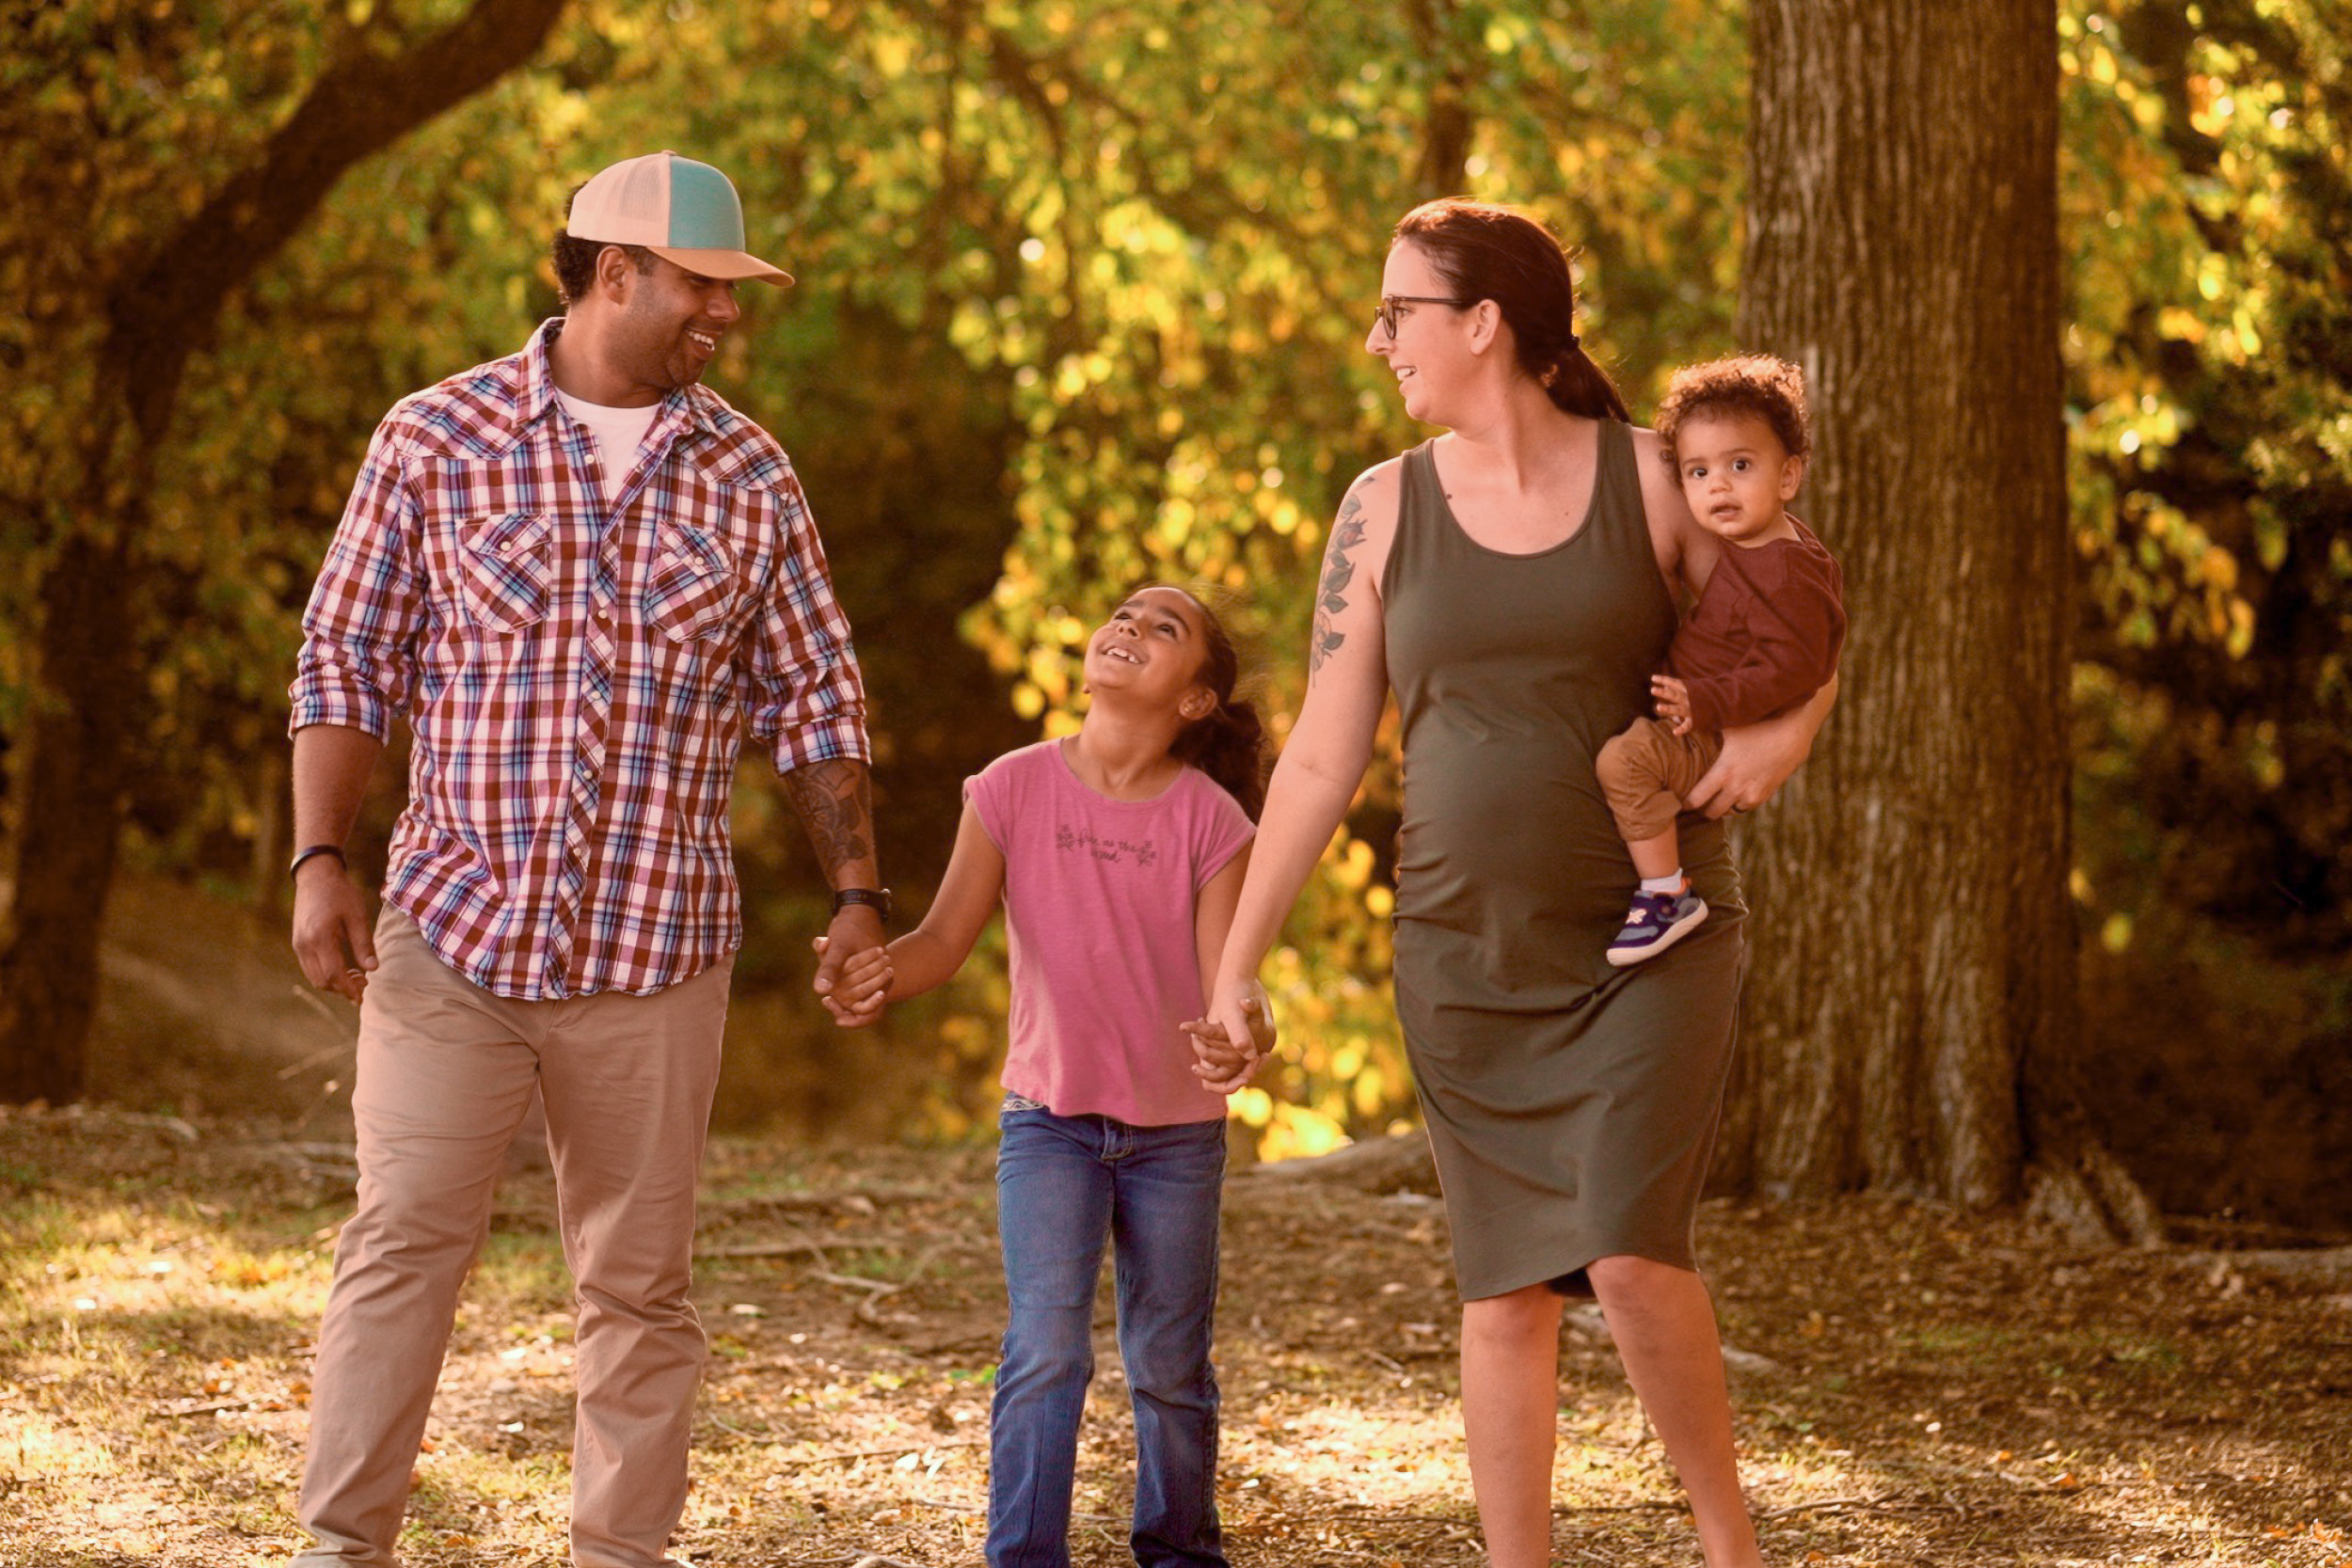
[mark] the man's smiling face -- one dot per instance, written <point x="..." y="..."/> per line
<point x="671" y="325"/>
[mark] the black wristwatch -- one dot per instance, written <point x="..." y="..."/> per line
<point x="876" y="899"/>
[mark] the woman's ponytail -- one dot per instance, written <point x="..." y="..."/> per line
<point x="1578" y="385"/>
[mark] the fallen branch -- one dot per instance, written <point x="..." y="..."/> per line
<point x="856" y="1454"/>
<point x="1398" y="1163"/>
<point x="865" y="1201"/>
<point x="879" y="1289"/>
<point x="174" y="1412"/>
<point x="844" y="1244"/>
<point x="1652" y="1506"/>
<point x="800" y="1244"/>
<point x="2320" y="1263"/>
<point x="856" y="1282"/>
<point x="316" y="1058"/>
<point x="730" y="1210"/>
<point x="1588" y="1319"/>
<point x="1837" y="1505"/>
<point x="969" y="1508"/>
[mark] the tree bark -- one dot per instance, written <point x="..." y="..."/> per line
<point x="1448" y="126"/>
<point x="1913" y="952"/>
<point x="88" y="683"/>
<point x="70" y="818"/>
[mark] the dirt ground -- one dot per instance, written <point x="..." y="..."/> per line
<point x="1913" y="1386"/>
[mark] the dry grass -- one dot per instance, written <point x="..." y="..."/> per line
<point x="1940" y="1389"/>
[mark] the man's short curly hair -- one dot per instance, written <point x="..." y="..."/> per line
<point x="576" y="260"/>
<point x="1756" y="385"/>
<point x="576" y="264"/>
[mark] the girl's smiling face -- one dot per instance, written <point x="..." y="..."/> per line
<point x="1152" y="647"/>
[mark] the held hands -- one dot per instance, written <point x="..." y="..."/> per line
<point x="1221" y="1065"/>
<point x="1673" y="701"/>
<point x="1757" y="760"/>
<point x="330" y="929"/>
<point x="853" y="972"/>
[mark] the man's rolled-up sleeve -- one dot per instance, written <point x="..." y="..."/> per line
<point x="807" y="699"/>
<point x="357" y="663"/>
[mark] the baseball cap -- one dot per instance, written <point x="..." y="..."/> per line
<point x="682" y="210"/>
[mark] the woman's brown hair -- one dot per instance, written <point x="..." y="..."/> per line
<point x="1484" y="250"/>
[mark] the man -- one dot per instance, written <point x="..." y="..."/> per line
<point x="585" y="577"/>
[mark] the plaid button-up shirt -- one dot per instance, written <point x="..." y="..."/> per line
<point x="579" y="668"/>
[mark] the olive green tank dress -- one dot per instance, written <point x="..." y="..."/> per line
<point x="1571" y="1106"/>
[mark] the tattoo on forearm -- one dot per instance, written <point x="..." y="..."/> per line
<point x="1338" y="572"/>
<point x="830" y="798"/>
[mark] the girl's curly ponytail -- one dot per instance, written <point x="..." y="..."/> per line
<point x="1227" y="743"/>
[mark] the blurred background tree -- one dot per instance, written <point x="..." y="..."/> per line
<point x="2208" y="213"/>
<point x="156" y="156"/>
<point x="1083" y="289"/>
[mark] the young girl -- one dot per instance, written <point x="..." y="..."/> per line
<point x="1119" y="853"/>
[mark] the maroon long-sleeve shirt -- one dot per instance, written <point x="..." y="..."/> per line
<point x="1765" y="633"/>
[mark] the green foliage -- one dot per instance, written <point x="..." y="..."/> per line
<point x="1149" y="252"/>
<point x="2209" y="223"/>
<point x="1083" y="293"/>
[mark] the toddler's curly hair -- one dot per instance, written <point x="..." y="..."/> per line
<point x="1752" y="384"/>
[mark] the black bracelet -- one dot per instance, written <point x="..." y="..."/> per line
<point x="334" y="850"/>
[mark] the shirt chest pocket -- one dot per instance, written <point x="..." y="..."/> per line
<point x="692" y="590"/>
<point x="507" y="569"/>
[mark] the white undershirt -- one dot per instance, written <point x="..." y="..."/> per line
<point x="616" y="430"/>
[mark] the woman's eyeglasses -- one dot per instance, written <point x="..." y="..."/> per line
<point x="1391" y="307"/>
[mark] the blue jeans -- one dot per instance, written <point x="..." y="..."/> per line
<point x="1064" y="1185"/>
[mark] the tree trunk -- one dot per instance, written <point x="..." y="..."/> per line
<point x="80" y="732"/>
<point x="72" y="810"/>
<point x="1913" y="957"/>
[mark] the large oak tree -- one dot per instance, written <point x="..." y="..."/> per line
<point x="124" y="244"/>
<point x="1915" y="1015"/>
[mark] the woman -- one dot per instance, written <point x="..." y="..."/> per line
<point x="1515" y="582"/>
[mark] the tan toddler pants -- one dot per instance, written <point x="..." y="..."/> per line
<point x="445" y="1074"/>
<point x="1646" y="772"/>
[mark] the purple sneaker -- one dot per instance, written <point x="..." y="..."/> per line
<point x="1655" y="922"/>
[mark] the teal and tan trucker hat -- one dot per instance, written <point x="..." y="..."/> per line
<point x="682" y="210"/>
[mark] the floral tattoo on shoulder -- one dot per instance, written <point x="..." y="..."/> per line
<point x="1338" y="572"/>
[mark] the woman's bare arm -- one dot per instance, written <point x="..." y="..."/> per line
<point x="1330" y="745"/>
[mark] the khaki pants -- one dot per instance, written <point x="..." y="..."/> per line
<point x="1647" y="771"/>
<point x="445" y="1074"/>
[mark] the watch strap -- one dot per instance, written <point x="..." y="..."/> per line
<point x="874" y="899"/>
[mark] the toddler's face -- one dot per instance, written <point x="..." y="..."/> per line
<point x="1736" y="475"/>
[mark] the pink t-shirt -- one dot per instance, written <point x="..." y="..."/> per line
<point x="1099" y="902"/>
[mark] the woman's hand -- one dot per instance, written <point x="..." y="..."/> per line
<point x="1242" y="1013"/>
<point x="1758" y="759"/>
